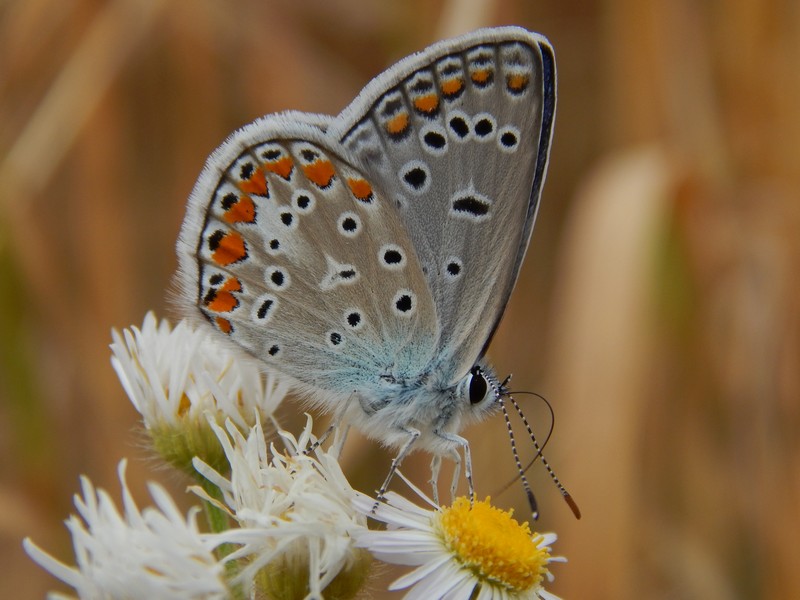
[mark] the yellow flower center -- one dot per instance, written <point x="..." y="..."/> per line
<point x="493" y="545"/>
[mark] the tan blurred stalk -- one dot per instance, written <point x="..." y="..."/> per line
<point x="602" y="345"/>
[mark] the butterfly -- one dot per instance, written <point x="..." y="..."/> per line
<point x="369" y="257"/>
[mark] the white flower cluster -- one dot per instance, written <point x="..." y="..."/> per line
<point x="285" y="522"/>
<point x="171" y="375"/>
<point x="154" y="553"/>
<point x="289" y="506"/>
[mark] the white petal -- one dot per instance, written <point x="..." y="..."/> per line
<point x="547" y="539"/>
<point x="60" y="570"/>
<point x="462" y="591"/>
<point x="420" y="573"/>
<point x="439" y="582"/>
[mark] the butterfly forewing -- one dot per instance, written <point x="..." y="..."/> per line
<point x="458" y="135"/>
<point x="301" y="259"/>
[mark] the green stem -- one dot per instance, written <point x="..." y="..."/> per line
<point x="219" y="521"/>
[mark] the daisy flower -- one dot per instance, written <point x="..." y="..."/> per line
<point x="175" y="376"/>
<point x="295" y="517"/>
<point x="154" y="553"/>
<point x="461" y="552"/>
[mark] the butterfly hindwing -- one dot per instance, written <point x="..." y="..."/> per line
<point x="298" y="256"/>
<point x="459" y="136"/>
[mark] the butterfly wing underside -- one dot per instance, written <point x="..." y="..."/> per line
<point x="292" y="252"/>
<point x="459" y="135"/>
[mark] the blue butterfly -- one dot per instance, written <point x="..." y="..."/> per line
<point x="369" y="256"/>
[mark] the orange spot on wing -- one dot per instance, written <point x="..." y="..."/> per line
<point x="320" y="172"/>
<point x="230" y="249"/>
<point x="361" y="189"/>
<point x="517" y="81"/>
<point x="452" y="86"/>
<point x="224" y="325"/>
<point x="222" y="302"/>
<point x="257" y="184"/>
<point x="427" y="103"/>
<point x="481" y="75"/>
<point x="282" y="166"/>
<point x="244" y="211"/>
<point x="232" y="285"/>
<point x="397" y="124"/>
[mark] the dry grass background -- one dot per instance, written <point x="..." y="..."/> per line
<point x="658" y="309"/>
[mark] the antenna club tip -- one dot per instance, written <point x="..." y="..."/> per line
<point x="534" y="506"/>
<point x="572" y="505"/>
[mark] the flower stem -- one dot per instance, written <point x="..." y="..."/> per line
<point x="217" y="518"/>
<point x="219" y="521"/>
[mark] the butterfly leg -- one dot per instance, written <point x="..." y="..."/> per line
<point x="320" y="440"/>
<point x="456" y="473"/>
<point x="339" y="439"/>
<point x="396" y="462"/>
<point x="436" y="465"/>
<point x="457" y="440"/>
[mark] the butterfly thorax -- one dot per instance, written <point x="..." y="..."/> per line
<point x="437" y="410"/>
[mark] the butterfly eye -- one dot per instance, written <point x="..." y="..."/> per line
<point x="478" y="386"/>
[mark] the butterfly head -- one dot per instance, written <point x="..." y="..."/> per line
<point x="477" y="395"/>
<point x="479" y="392"/>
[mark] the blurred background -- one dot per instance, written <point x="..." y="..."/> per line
<point x="658" y="309"/>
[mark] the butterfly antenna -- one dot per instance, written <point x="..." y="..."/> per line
<point x="501" y="392"/>
<point x="564" y="493"/>
<point x="523" y="478"/>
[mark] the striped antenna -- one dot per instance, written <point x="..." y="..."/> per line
<point x="501" y="393"/>
<point x="525" y="484"/>
<point x="564" y="493"/>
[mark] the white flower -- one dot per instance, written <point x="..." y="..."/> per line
<point x="169" y="374"/>
<point x="175" y="376"/>
<point x="295" y="516"/>
<point x="463" y="551"/>
<point x="154" y="553"/>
